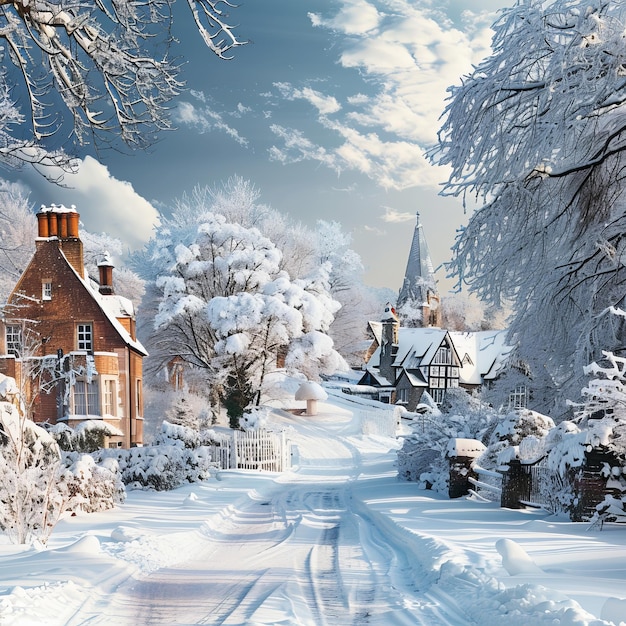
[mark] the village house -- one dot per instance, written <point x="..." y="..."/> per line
<point x="69" y="341"/>
<point x="403" y="362"/>
<point x="410" y="361"/>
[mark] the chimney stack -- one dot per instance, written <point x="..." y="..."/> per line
<point x="105" y="268"/>
<point x="60" y="224"/>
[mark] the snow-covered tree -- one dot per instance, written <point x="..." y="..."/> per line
<point x="228" y="310"/>
<point x="359" y="304"/>
<point x="30" y="499"/>
<point x="463" y="311"/>
<point x="538" y="133"/>
<point x="102" y="68"/>
<point x="599" y="427"/>
<point x="18" y="229"/>
<point x="303" y="251"/>
<point x="239" y="201"/>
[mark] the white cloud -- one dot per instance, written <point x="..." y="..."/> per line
<point x="394" y="217"/>
<point x="355" y="17"/>
<point x="326" y="105"/>
<point x="409" y="54"/>
<point x="392" y="164"/>
<point x="106" y="204"/>
<point x="205" y="119"/>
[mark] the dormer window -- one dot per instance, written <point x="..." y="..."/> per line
<point x="46" y="291"/>
<point x="84" y="334"/>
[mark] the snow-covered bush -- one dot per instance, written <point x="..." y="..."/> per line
<point x="188" y="437"/>
<point x="422" y="457"/>
<point x="88" y="436"/>
<point x="519" y="434"/>
<point x="89" y="486"/>
<point x="162" y="467"/>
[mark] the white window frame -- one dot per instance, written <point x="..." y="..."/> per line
<point x="139" y="397"/>
<point x="402" y="396"/>
<point x="46" y="290"/>
<point x="13" y="338"/>
<point x="443" y="355"/>
<point x="84" y="336"/>
<point x="86" y="398"/>
<point x="110" y="399"/>
<point x="518" y="398"/>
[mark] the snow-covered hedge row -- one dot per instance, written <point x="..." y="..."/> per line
<point x="594" y="442"/>
<point x="160" y="467"/>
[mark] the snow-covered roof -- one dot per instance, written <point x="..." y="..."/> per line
<point x="376" y="375"/>
<point x="487" y="352"/>
<point x="415" y="378"/>
<point x="113" y="307"/>
<point x="417" y="346"/>
<point x="482" y="354"/>
<point x="377" y="330"/>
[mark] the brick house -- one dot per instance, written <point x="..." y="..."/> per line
<point x="75" y="334"/>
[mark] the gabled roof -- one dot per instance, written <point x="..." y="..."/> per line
<point x="487" y="351"/>
<point x="415" y="378"/>
<point x="482" y="354"/>
<point x="416" y="347"/>
<point x="377" y="330"/>
<point x="373" y="377"/>
<point x="113" y="308"/>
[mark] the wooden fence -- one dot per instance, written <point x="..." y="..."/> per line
<point x="254" y="450"/>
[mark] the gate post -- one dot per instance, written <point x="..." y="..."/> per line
<point x="235" y="456"/>
<point x="515" y="485"/>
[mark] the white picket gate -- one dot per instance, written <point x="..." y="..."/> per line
<point x="255" y="450"/>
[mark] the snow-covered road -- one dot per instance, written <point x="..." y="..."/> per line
<point x="302" y="549"/>
<point x="337" y="540"/>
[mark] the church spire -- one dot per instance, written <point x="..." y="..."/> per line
<point x="418" y="301"/>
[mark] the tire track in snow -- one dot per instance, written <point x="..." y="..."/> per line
<point x="302" y="549"/>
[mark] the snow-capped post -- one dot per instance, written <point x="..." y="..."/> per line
<point x="311" y="392"/>
<point x="461" y="455"/>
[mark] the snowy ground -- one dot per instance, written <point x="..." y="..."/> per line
<point x="338" y="540"/>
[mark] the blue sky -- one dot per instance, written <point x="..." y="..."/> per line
<point x="328" y="111"/>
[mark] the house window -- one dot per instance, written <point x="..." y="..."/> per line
<point x="444" y="356"/>
<point x="139" y="399"/>
<point x="110" y="397"/>
<point x="85" y="337"/>
<point x="86" y="400"/>
<point x="518" y="398"/>
<point x="438" y="395"/>
<point x="14" y="340"/>
<point x="46" y="291"/>
<point x="402" y="396"/>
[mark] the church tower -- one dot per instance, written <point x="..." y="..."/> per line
<point x="419" y="302"/>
